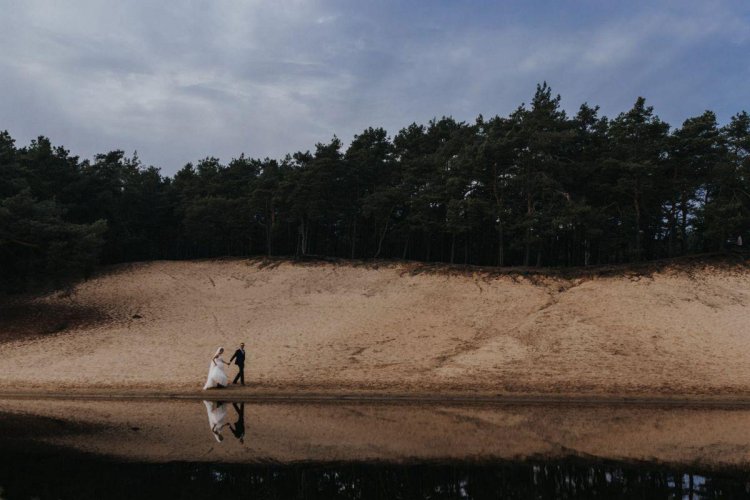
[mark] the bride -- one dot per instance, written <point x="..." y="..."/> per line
<point x="216" y="375"/>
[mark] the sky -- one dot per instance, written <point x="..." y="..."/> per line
<point x="179" y="81"/>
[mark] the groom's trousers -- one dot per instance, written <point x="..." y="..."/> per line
<point x="240" y="375"/>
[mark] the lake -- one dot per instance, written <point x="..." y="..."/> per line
<point x="349" y="450"/>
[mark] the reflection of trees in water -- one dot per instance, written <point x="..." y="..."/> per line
<point x="492" y="481"/>
<point x="61" y="478"/>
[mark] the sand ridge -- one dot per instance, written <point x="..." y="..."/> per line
<point x="343" y="327"/>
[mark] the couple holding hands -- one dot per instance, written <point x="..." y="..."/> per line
<point x="217" y="377"/>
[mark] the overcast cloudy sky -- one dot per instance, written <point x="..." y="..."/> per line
<point x="179" y="81"/>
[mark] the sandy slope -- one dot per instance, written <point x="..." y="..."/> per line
<point x="330" y="327"/>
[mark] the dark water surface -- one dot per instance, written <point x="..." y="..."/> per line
<point x="65" y="477"/>
<point x="77" y="449"/>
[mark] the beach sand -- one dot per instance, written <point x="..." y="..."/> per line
<point x="386" y="329"/>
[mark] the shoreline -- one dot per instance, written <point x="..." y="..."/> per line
<point x="431" y="399"/>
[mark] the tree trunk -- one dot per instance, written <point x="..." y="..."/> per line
<point x="302" y="237"/>
<point x="500" y="245"/>
<point x="306" y="240"/>
<point x="683" y="221"/>
<point x="269" y="231"/>
<point x="527" y="238"/>
<point x="380" y="240"/>
<point x="354" y="238"/>
<point x="453" y="247"/>
<point x="527" y="247"/>
<point x="498" y="217"/>
<point x="672" y="227"/>
<point x="586" y="252"/>
<point x="637" y="207"/>
<point x="269" y="250"/>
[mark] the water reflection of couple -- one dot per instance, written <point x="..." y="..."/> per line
<point x="217" y="377"/>
<point x="217" y="419"/>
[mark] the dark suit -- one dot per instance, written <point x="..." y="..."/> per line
<point x="239" y="359"/>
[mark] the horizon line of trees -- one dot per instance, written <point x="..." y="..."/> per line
<point x="535" y="188"/>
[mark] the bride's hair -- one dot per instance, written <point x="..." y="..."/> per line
<point x="219" y="351"/>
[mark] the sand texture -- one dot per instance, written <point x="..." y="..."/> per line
<point x="330" y="327"/>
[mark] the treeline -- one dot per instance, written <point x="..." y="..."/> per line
<point x="535" y="188"/>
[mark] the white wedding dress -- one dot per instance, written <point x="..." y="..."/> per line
<point x="216" y="375"/>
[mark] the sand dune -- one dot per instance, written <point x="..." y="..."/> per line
<point x="342" y="327"/>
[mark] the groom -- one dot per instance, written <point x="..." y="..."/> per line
<point x="239" y="359"/>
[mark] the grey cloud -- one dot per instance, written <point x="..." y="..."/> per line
<point x="180" y="81"/>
